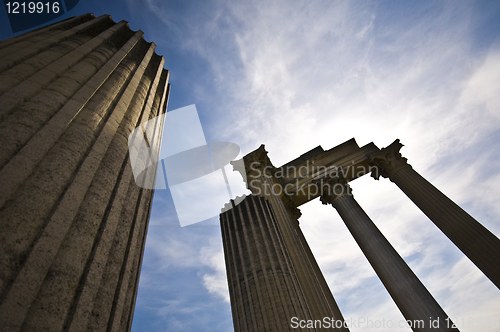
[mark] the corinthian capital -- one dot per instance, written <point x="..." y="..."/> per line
<point x="258" y="164"/>
<point x="290" y="206"/>
<point x="388" y="161"/>
<point x="332" y="187"/>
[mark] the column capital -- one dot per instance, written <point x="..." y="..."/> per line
<point x="257" y="163"/>
<point x="388" y="161"/>
<point x="254" y="166"/>
<point x="332" y="187"/>
<point x="290" y="206"/>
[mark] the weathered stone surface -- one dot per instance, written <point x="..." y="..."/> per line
<point x="72" y="219"/>
<point x="263" y="283"/>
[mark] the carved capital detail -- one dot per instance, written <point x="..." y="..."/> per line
<point x="258" y="164"/>
<point x="332" y="187"/>
<point x="290" y="206"/>
<point x="388" y="161"/>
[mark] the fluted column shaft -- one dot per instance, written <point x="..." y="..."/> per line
<point x="73" y="220"/>
<point x="262" y="182"/>
<point x="263" y="284"/>
<point x="410" y="295"/>
<point x="473" y="239"/>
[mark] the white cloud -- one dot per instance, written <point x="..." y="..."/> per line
<point x="295" y="75"/>
<point x="481" y="90"/>
<point x="215" y="280"/>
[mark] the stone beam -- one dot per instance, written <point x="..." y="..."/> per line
<point x="348" y="158"/>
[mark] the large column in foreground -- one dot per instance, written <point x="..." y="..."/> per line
<point x="72" y="219"/>
<point x="476" y="242"/>
<point x="410" y="295"/>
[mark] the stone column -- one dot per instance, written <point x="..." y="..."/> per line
<point x="259" y="174"/>
<point x="73" y="221"/>
<point x="476" y="242"/>
<point x="263" y="284"/>
<point x="410" y="295"/>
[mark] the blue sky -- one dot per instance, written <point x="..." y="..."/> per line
<point x="297" y="74"/>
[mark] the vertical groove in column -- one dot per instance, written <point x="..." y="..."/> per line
<point x="248" y="299"/>
<point x="27" y="69"/>
<point x="39" y="109"/>
<point x="312" y="307"/>
<point x="24" y="40"/>
<point x="70" y="261"/>
<point x="249" y="249"/>
<point x="306" y="276"/>
<point x="27" y="79"/>
<point x="158" y="108"/>
<point x="278" y="268"/>
<point x="102" y="307"/>
<point x="117" y="152"/>
<point x="480" y="245"/>
<point x="86" y="293"/>
<point x="73" y="200"/>
<point x="263" y="262"/>
<point x="262" y="267"/>
<point x="123" y="299"/>
<point x="143" y="225"/>
<point x="410" y="295"/>
<point x="14" y="58"/>
<point x="291" y="285"/>
<point x="20" y="166"/>
<point x="235" y="292"/>
<point x="47" y="192"/>
<point x="320" y="305"/>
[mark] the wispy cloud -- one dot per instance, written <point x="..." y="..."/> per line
<point x="294" y="75"/>
<point x="215" y="280"/>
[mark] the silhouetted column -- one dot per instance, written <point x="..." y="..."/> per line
<point x="410" y="295"/>
<point x="259" y="175"/>
<point x="476" y="242"/>
<point x="263" y="284"/>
